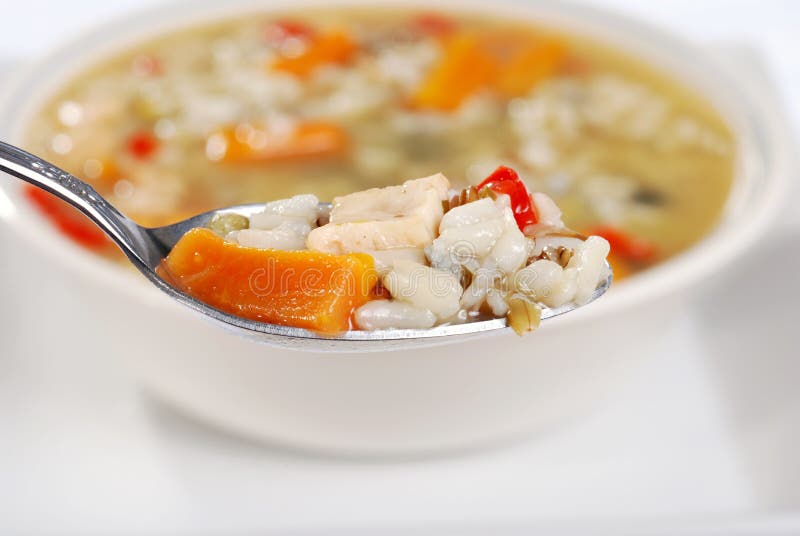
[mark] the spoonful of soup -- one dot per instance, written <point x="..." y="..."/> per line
<point x="416" y="263"/>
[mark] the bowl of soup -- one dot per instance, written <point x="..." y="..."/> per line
<point x="638" y="136"/>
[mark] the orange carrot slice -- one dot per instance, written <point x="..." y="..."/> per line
<point x="305" y="289"/>
<point x="331" y="48"/>
<point x="530" y="65"/>
<point x="277" y="32"/>
<point x="621" y="267"/>
<point x="307" y="140"/>
<point x="434" y="24"/>
<point x="625" y="245"/>
<point x="464" y="69"/>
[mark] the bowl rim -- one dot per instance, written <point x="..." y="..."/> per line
<point x="764" y="155"/>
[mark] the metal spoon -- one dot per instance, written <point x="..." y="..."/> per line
<point x="146" y="248"/>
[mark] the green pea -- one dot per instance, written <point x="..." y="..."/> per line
<point x="222" y="224"/>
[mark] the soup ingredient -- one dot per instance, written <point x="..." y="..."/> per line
<point x="142" y="144"/>
<point x="510" y="65"/>
<point x="247" y="144"/>
<point x="537" y="60"/>
<point x="68" y="220"/>
<point x="278" y="32"/>
<point x="386" y="314"/>
<point x="622" y="269"/>
<point x="224" y="224"/>
<point x="283" y="224"/>
<point x="523" y="315"/>
<point x="424" y="259"/>
<point x="464" y="68"/>
<point x="625" y="245"/>
<point x="306" y="289"/>
<point x="336" y="48"/>
<point x="505" y="180"/>
<point x="547" y="282"/>
<point x="287" y="236"/>
<point x="426" y="288"/>
<point x="147" y="65"/>
<point x="587" y="261"/>
<point x="480" y="234"/>
<point x="396" y="217"/>
<point x="554" y="285"/>
<point x="474" y="263"/>
<point x="335" y="100"/>
<point x="435" y="24"/>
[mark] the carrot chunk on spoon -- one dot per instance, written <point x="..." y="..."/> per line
<point x="305" y="289"/>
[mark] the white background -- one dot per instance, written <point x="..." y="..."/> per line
<point x="82" y="449"/>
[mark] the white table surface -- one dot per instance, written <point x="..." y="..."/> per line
<point x="83" y="450"/>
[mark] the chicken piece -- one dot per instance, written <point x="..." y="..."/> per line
<point x="380" y="219"/>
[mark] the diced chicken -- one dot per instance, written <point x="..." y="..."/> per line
<point x="379" y="219"/>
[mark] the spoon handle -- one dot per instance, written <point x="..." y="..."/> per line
<point x="74" y="191"/>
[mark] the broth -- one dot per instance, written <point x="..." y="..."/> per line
<point x="273" y="105"/>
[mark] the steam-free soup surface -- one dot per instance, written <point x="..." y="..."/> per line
<point x="273" y="105"/>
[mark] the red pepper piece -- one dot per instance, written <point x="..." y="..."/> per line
<point x="142" y="144"/>
<point x="67" y="219"/>
<point x="278" y="31"/>
<point x="434" y="24"/>
<point x="505" y="180"/>
<point x="625" y="245"/>
<point x="147" y="66"/>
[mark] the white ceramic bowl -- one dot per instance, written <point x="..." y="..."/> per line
<point x="449" y="396"/>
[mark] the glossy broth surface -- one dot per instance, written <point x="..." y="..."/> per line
<point x="272" y="105"/>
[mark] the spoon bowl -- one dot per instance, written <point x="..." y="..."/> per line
<point x="147" y="247"/>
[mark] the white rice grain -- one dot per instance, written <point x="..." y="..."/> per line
<point x="385" y="314"/>
<point x="424" y="287"/>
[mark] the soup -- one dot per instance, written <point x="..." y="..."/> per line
<point x="274" y="105"/>
<point x="409" y="256"/>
